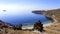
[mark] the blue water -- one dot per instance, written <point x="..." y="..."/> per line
<point x="22" y="17"/>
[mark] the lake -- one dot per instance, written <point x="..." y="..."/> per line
<point x="22" y="17"/>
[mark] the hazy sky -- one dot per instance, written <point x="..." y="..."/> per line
<point x="29" y="4"/>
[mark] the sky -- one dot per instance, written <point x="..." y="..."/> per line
<point x="20" y="5"/>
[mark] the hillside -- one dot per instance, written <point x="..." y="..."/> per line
<point x="6" y="28"/>
<point x="55" y="28"/>
<point x="55" y="15"/>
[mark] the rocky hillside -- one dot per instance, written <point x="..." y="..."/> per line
<point x="5" y="25"/>
<point x="6" y="28"/>
<point x="54" y="14"/>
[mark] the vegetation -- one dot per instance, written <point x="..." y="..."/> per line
<point x="17" y="27"/>
<point x="38" y="26"/>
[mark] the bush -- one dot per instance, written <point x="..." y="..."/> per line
<point x="38" y="26"/>
<point x="17" y="27"/>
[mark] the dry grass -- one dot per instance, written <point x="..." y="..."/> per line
<point x="11" y="31"/>
<point x="53" y="29"/>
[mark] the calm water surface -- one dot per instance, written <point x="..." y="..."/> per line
<point x="23" y="17"/>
